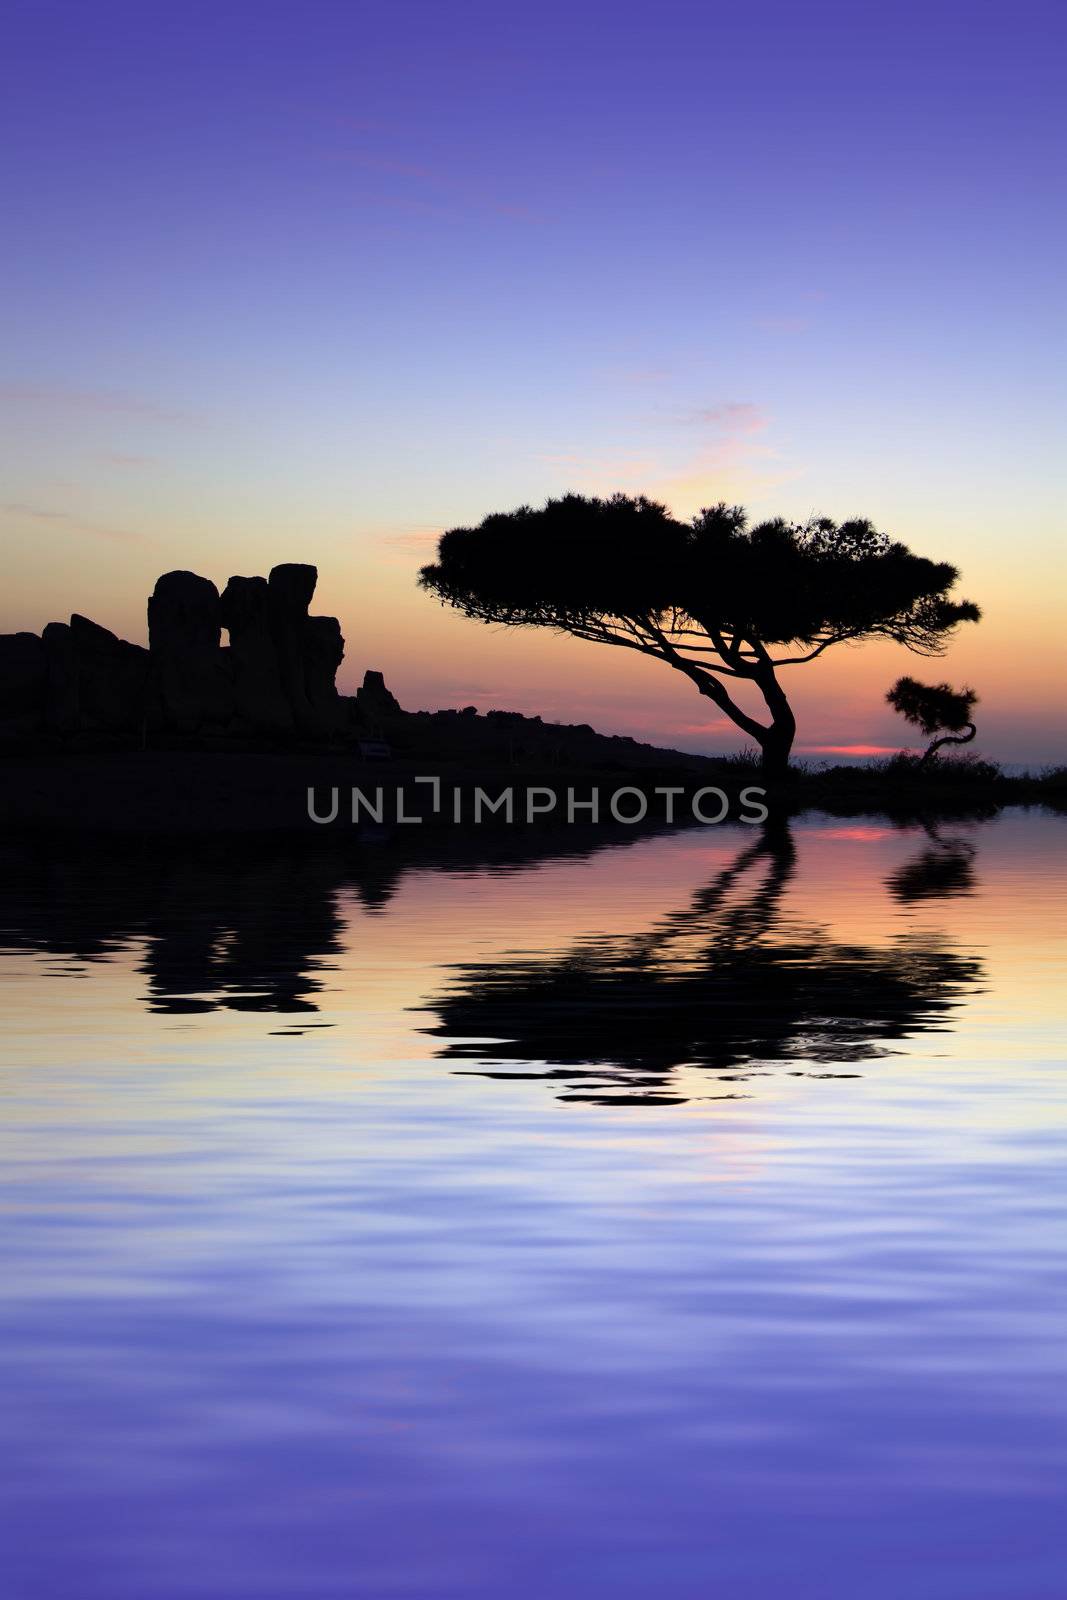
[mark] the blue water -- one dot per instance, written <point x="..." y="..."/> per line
<point x="363" y="1236"/>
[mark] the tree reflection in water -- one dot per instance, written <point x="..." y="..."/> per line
<point x="942" y="871"/>
<point x="729" y="985"/>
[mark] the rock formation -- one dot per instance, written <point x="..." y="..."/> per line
<point x="110" y="679"/>
<point x="183" y="637"/>
<point x="23" y="681"/>
<point x="375" y="704"/>
<point x="61" y="667"/>
<point x="75" y="677"/>
<point x="290" y="588"/>
<point x="275" y="677"/>
<point x="324" y="649"/>
<point x="257" y="687"/>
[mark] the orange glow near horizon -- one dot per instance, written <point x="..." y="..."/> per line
<point x="434" y="658"/>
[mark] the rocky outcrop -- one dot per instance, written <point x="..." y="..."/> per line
<point x="23" y="682"/>
<point x="283" y="663"/>
<point x="324" y="649"/>
<point x="375" y="705"/>
<point x="275" y="677"/>
<point x="258" y="698"/>
<point x="193" y="689"/>
<point x="111" y="679"/>
<point x="307" y="650"/>
<point x="76" y="677"/>
<point x="289" y="591"/>
<point x="61" y="667"/>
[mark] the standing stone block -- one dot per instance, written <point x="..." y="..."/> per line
<point x="259" y="700"/>
<point x="183" y="635"/>
<point x="375" y="704"/>
<point x="62" y="713"/>
<point x="324" y="649"/>
<point x="112" y="679"/>
<point x="290" y="588"/>
<point x="22" y="682"/>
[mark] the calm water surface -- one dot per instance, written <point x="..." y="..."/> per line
<point x="687" y="1218"/>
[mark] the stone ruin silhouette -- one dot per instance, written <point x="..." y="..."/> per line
<point x="275" y="679"/>
<point x="77" y="686"/>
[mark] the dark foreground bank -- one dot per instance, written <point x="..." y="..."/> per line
<point x="243" y="792"/>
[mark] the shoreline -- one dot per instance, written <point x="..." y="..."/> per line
<point x="258" y="793"/>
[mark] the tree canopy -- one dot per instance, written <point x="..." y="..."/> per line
<point x="715" y="598"/>
<point x="933" y="707"/>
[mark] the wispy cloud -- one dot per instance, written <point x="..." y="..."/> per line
<point x="798" y="318"/>
<point x="729" y="469"/>
<point x="456" y="692"/>
<point x="730" y="462"/>
<point x="637" y="370"/>
<point x="97" y="401"/>
<point x="621" y="467"/>
<point x="430" y="191"/>
<point x="643" y="375"/>
<point x="403" y="169"/>
<point x="75" y="524"/>
<point x="786" y="325"/>
<point x="733" y="462"/>
<point x="849" y="749"/>
<point x="405" y="545"/>
<point x="733" y="416"/>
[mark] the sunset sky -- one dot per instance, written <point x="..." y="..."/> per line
<point x="315" y="282"/>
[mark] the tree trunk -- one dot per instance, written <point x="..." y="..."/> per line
<point x="775" y="746"/>
<point x="776" y="742"/>
<point x="949" y="738"/>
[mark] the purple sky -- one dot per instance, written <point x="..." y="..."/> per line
<point x="318" y="280"/>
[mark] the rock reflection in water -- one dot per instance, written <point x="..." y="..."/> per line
<point x="227" y="924"/>
<point x="216" y="928"/>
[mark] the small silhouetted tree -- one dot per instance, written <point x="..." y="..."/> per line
<point x="720" y="602"/>
<point x="935" y="708"/>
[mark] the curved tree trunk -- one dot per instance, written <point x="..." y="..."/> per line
<point x="775" y="747"/>
<point x="776" y="742"/>
<point x="775" y="738"/>
<point x="949" y="738"/>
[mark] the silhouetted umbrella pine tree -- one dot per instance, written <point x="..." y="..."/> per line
<point x="935" y="708"/>
<point x="722" y="603"/>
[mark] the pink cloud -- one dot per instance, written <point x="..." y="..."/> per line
<point x="783" y="324"/>
<point x="403" y="169"/>
<point x="74" y="523"/>
<point x="90" y="400"/>
<point x="850" y="749"/>
<point x="420" y="541"/>
<point x="735" y="416"/>
<point x="614" y="467"/>
<point x="454" y="198"/>
<point x="732" y="463"/>
<point x="642" y="375"/>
